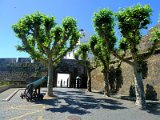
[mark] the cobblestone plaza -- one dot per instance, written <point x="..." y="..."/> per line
<point x="72" y="104"/>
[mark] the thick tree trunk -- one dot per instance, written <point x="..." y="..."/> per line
<point x="50" y="79"/>
<point x="106" y="81"/>
<point x="139" y="88"/>
<point x="88" y="81"/>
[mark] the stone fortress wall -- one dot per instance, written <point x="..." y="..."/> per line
<point x="153" y="65"/>
<point x="20" y="71"/>
<point x="153" y="77"/>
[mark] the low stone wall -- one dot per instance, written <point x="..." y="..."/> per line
<point x="3" y="88"/>
<point x="152" y="79"/>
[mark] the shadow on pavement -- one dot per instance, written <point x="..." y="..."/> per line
<point x="153" y="108"/>
<point x="70" y="109"/>
<point x="77" y="102"/>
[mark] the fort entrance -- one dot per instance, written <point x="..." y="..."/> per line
<point x="67" y="72"/>
<point x="63" y="80"/>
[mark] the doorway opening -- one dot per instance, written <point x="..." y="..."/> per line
<point x="63" y="80"/>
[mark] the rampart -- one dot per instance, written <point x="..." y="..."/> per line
<point x="153" y="73"/>
<point x="23" y="70"/>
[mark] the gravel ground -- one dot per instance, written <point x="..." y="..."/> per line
<point x="73" y="104"/>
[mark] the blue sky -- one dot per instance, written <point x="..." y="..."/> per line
<point x="82" y="10"/>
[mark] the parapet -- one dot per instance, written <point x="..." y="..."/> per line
<point x="14" y="60"/>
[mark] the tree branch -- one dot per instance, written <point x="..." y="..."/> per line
<point x="151" y="50"/>
<point x="121" y="57"/>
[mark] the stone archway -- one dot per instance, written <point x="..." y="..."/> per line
<point x="74" y="68"/>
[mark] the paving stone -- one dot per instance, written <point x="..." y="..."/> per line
<point x="4" y="95"/>
<point x="73" y="104"/>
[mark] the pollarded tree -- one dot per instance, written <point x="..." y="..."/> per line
<point x="46" y="41"/>
<point x="131" y="21"/>
<point x="102" y="43"/>
<point x="82" y="53"/>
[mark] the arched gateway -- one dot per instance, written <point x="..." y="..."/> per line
<point x="67" y="71"/>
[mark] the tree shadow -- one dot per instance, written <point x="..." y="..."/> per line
<point x="153" y="108"/>
<point x="70" y="109"/>
<point x="115" y="78"/>
<point x="151" y="94"/>
<point x="77" y="102"/>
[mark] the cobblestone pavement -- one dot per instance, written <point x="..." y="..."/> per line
<point x="73" y="104"/>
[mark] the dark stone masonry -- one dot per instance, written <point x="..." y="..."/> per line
<point x="22" y="70"/>
<point x="153" y="77"/>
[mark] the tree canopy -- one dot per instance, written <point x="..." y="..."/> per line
<point x="45" y="40"/>
<point x="83" y="53"/>
<point x="42" y="36"/>
<point x="103" y="41"/>
<point x="131" y="21"/>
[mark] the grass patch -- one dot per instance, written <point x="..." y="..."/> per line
<point x="4" y="83"/>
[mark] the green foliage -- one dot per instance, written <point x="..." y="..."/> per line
<point x="132" y="20"/>
<point x="3" y="83"/>
<point x="98" y="48"/>
<point x="46" y="41"/>
<point x="42" y="38"/>
<point x="83" y="51"/>
<point x="76" y="56"/>
<point x="104" y="26"/>
<point x="155" y="35"/>
<point x="68" y="24"/>
<point x="123" y="44"/>
<point x="155" y="40"/>
<point x="102" y="43"/>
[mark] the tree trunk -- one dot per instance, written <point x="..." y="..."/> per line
<point x="88" y="81"/>
<point x="88" y="77"/>
<point x="106" y="81"/>
<point x="50" y="79"/>
<point x="139" y="88"/>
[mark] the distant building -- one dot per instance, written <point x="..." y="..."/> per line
<point x="85" y="39"/>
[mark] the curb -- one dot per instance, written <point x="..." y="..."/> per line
<point x="9" y="97"/>
<point x="134" y="99"/>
